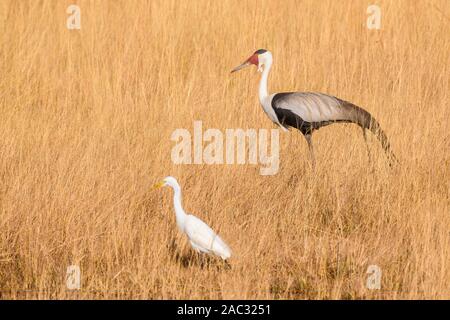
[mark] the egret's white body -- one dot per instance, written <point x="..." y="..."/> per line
<point x="201" y="236"/>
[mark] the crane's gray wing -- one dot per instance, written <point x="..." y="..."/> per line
<point x="314" y="107"/>
<point x="308" y="111"/>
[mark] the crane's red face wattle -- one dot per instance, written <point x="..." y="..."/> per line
<point x="253" y="59"/>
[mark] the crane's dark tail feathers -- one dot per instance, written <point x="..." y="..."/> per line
<point x="365" y="120"/>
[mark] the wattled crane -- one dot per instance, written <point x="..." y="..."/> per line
<point x="309" y="111"/>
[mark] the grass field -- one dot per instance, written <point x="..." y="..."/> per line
<point x="86" y="121"/>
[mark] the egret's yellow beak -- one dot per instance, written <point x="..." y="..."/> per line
<point x="158" y="185"/>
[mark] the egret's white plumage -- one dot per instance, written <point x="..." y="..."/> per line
<point x="201" y="236"/>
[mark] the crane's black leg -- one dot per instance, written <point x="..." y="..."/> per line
<point x="367" y="145"/>
<point x="311" y="149"/>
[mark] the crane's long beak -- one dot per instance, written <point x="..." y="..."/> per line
<point x="158" y="185"/>
<point x="242" y="66"/>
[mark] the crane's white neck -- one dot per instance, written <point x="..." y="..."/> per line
<point x="263" y="92"/>
<point x="179" y="212"/>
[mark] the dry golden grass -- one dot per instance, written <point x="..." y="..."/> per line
<point x="86" y="120"/>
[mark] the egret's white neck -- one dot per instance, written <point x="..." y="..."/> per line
<point x="263" y="92"/>
<point x="179" y="212"/>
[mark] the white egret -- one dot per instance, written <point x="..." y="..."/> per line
<point x="201" y="236"/>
